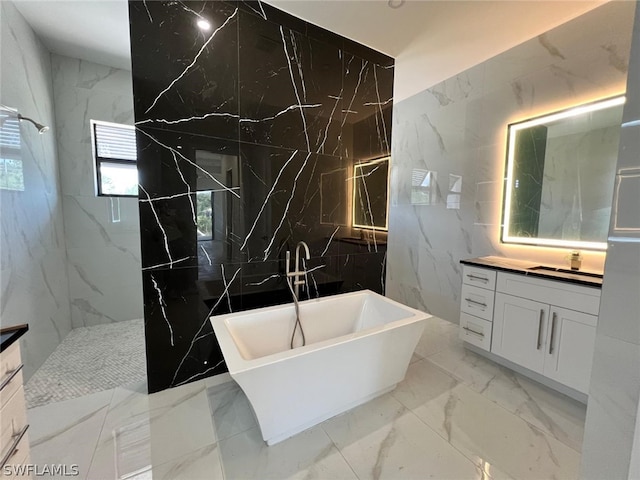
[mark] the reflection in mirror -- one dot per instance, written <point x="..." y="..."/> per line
<point x="370" y="194"/>
<point x="560" y="177"/>
<point x="424" y="187"/>
<point x="333" y="194"/>
<point x="455" y="192"/>
<point x="214" y="213"/>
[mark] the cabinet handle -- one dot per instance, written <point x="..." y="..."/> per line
<point x="10" y="376"/>
<point x="554" y="317"/>
<point x="473" y="331"/>
<point x="540" y="329"/>
<point x="476" y="277"/>
<point x="14" y="446"/>
<point x="476" y="303"/>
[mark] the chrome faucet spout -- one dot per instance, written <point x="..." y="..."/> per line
<point x="298" y="270"/>
<point x="303" y="270"/>
<point x="294" y="282"/>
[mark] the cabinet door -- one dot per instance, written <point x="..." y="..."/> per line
<point x="519" y="331"/>
<point x="570" y="346"/>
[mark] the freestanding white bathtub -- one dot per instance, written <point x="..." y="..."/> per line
<point x="358" y="347"/>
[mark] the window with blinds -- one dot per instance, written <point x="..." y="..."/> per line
<point x="11" y="171"/>
<point x="114" y="150"/>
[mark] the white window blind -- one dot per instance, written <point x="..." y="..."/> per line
<point x="115" y="141"/>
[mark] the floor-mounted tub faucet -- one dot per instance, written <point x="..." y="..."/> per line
<point x="297" y="272"/>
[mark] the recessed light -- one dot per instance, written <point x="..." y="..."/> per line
<point x="395" y="3"/>
<point x="204" y="24"/>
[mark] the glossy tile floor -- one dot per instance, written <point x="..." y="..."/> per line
<point x="90" y="360"/>
<point x="455" y="416"/>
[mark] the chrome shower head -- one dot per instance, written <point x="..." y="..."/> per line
<point x="41" y="128"/>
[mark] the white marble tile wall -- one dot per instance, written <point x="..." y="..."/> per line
<point x="33" y="269"/>
<point x="105" y="282"/>
<point x="614" y="396"/>
<point x="459" y="128"/>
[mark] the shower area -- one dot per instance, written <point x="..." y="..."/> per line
<point x="71" y="262"/>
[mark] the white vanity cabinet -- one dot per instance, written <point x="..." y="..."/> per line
<point x="546" y="326"/>
<point x="14" y="440"/>
<point x="551" y="331"/>
<point x="476" y="306"/>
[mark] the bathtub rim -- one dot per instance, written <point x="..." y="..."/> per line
<point x="236" y="363"/>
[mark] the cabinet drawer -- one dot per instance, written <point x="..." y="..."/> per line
<point x="475" y="331"/>
<point x="13" y="418"/>
<point x="477" y="301"/>
<point x="479" y="277"/>
<point x="12" y="381"/>
<point x="561" y="294"/>
<point x="19" y="456"/>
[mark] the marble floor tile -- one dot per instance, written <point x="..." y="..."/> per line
<point x="415" y="358"/>
<point x="67" y="432"/>
<point x="470" y="368"/>
<point x="423" y="381"/>
<point x="438" y="335"/>
<point x="485" y="432"/>
<point x="230" y="409"/>
<point x="202" y="464"/>
<point x="308" y="455"/>
<point x="217" y="380"/>
<point x="383" y="439"/>
<point x="143" y="430"/>
<point x="548" y="410"/>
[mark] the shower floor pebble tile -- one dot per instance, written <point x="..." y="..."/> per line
<point x="435" y="424"/>
<point x="90" y="360"/>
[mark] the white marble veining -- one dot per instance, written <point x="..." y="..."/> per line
<point x="33" y="268"/>
<point x="459" y="127"/>
<point x="438" y="423"/>
<point x="104" y="255"/>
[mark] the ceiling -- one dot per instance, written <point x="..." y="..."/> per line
<point x="431" y="40"/>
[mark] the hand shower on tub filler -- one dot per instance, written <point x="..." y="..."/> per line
<point x="294" y="281"/>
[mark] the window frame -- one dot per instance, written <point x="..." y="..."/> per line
<point x="98" y="160"/>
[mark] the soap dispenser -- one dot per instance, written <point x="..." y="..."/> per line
<point x="575" y="259"/>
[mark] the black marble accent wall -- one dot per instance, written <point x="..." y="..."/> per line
<point x="248" y="133"/>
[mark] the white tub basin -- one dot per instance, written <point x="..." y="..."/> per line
<point x="358" y="347"/>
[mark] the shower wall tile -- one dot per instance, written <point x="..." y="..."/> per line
<point x="100" y="231"/>
<point x="33" y="259"/>
<point x="247" y="141"/>
<point x="96" y="280"/>
<point x="458" y="128"/>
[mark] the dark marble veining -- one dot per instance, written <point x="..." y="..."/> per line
<point x="248" y="134"/>
<point x="533" y="269"/>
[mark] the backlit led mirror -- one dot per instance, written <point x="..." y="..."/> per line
<point x="371" y="194"/>
<point x="560" y="177"/>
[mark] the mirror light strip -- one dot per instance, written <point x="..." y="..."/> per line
<point x="353" y="200"/>
<point x="513" y="129"/>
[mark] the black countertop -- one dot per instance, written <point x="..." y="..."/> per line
<point x="536" y="269"/>
<point x="8" y="335"/>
